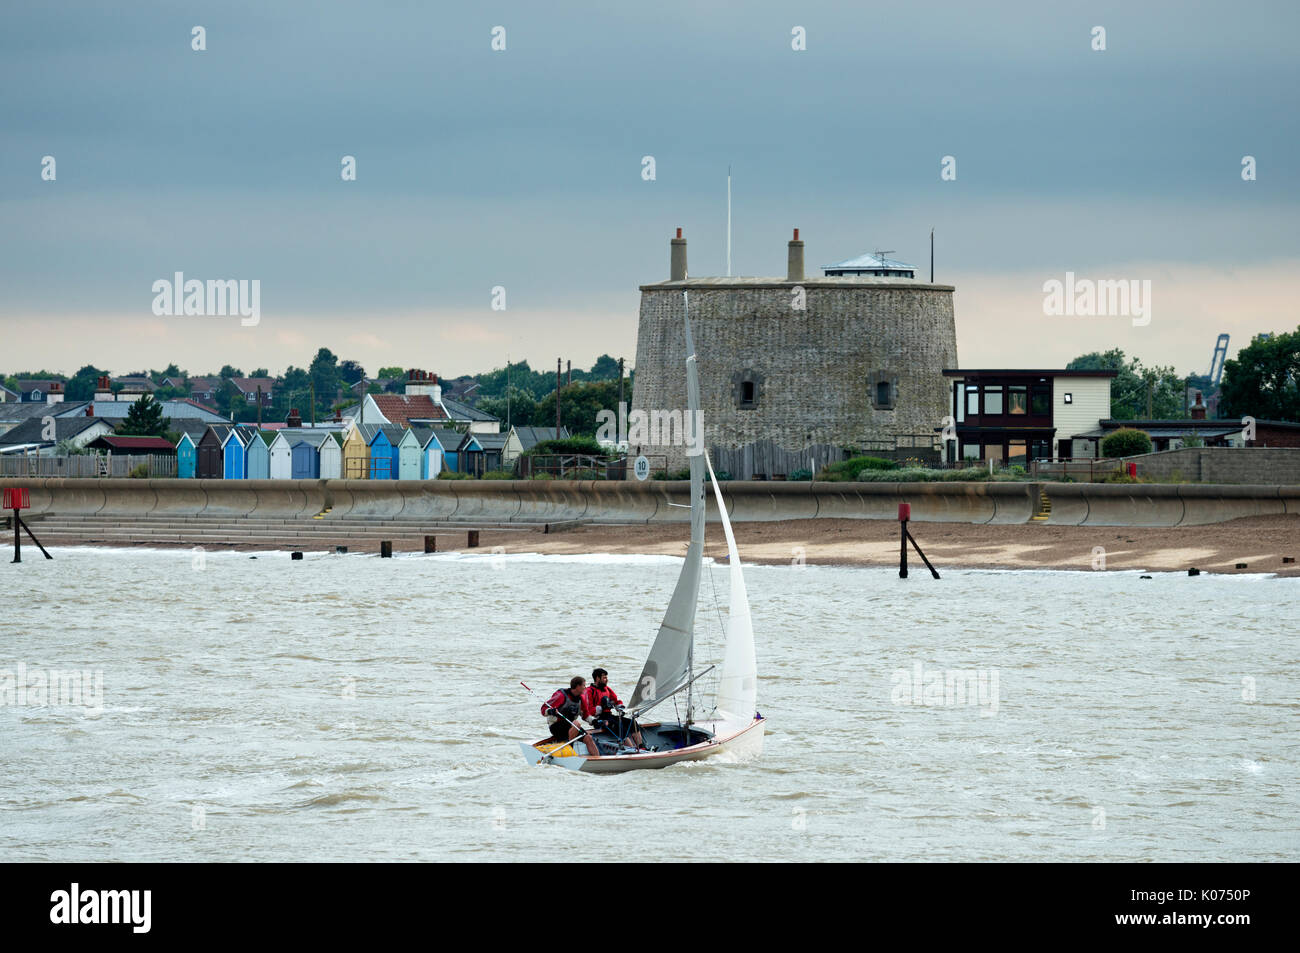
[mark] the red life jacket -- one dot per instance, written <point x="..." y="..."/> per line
<point x="562" y="704"/>
<point x="594" y="698"/>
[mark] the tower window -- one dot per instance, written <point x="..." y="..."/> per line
<point x="882" y="387"/>
<point x="746" y="392"/>
<point x="882" y="393"/>
<point x="747" y="388"/>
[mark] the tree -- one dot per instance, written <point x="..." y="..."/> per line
<point x="1125" y="442"/>
<point x="580" y="402"/>
<point x="395" y="372"/>
<point x="1263" y="380"/>
<point x="351" y="371"/>
<point x="260" y="372"/>
<point x="324" y="373"/>
<point x="144" y="419"/>
<point x="522" y="409"/>
<point x="83" y="383"/>
<point x="1136" y="391"/>
<point x="228" y="372"/>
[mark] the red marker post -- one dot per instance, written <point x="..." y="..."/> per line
<point x="905" y="514"/>
<point x="18" y="498"/>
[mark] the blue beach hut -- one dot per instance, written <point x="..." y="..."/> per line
<point x="186" y="457"/>
<point x="259" y="456"/>
<point x="306" y="460"/>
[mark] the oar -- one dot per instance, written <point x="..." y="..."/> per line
<point x="583" y="731"/>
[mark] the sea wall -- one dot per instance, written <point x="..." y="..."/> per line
<point x="542" y="501"/>
<point x="1249" y="465"/>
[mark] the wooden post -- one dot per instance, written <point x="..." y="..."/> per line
<point x="18" y="542"/>
<point x="430" y="544"/>
<point x="473" y="539"/>
<point x="902" y="547"/>
<point x="386" y="549"/>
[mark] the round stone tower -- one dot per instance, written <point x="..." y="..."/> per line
<point x="793" y="369"/>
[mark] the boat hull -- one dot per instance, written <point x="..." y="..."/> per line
<point x="741" y="740"/>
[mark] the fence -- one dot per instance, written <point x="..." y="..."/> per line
<point x="87" y="465"/>
<point x="581" y="466"/>
<point x="1082" y="470"/>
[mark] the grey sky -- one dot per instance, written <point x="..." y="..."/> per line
<point x="522" y="169"/>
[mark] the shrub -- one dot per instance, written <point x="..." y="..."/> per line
<point x="587" y="445"/>
<point x="499" y="475"/>
<point x="801" y="475"/>
<point x="1126" y="442"/>
<point x="139" y="472"/>
<point x="852" y="468"/>
<point x="452" y="475"/>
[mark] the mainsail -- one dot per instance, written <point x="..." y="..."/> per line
<point x="668" y="666"/>
<point x="738" y="680"/>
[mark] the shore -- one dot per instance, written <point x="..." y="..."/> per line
<point x="1261" y="542"/>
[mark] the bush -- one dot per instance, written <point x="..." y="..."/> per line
<point x="851" y="468"/>
<point x="801" y="475"/>
<point x="452" y="475"/>
<point x="1126" y="442"/>
<point x="587" y="445"/>
<point x="139" y="472"/>
<point x="498" y="475"/>
<point x="675" y="475"/>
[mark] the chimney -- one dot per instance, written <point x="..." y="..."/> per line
<point x="794" y="270"/>
<point x="55" y="395"/>
<point x="294" y="419"/>
<point x="104" y="389"/>
<point x="435" y="390"/>
<point x="1198" y="408"/>
<point x="678" y="258"/>
<point x="422" y="383"/>
<point x="90" y="409"/>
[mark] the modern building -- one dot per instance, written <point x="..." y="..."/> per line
<point x="1014" y="416"/>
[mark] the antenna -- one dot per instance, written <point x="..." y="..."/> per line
<point x="932" y="255"/>
<point x="728" y="221"/>
<point x="881" y="255"/>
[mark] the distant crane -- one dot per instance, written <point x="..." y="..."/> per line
<point x="1216" y="362"/>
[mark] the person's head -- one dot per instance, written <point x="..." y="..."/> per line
<point x="600" y="678"/>
<point x="577" y="683"/>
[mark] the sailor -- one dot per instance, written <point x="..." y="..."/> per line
<point x="602" y="707"/>
<point x="562" y="710"/>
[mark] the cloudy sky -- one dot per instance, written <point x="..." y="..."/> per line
<point x="522" y="169"/>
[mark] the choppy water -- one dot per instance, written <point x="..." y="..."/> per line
<point x="352" y="708"/>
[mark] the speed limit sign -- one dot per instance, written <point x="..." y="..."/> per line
<point x="641" y="468"/>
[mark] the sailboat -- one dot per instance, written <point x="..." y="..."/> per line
<point x="731" y="723"/>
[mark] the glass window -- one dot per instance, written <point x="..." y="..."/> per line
<point x="970" y="451"/>
<point x="972" y="400"/>
<point x="882" y="393"/>
<point x="1017" y="399"/>
<point x="993" y="399"/>
<point x="1041" y="403"/>
<point x="1016" y="453"/>
<point x="747" y="392"/>
<point x="1069" y="398"/>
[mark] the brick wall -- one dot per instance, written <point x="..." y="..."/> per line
<point x="1222" y="465"/>
<point x="816" y="370"/>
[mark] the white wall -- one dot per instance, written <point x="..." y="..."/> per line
<point x="1090" y="406"/>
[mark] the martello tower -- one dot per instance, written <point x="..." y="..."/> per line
<point x="792" y="369"/>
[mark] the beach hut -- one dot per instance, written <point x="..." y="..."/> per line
<point x="306" y="460"/>
<point x="331" y="456"/>
<point x="409" y="451"/>
<point x="208" y="463"/>
<point x="356" y="451"/>
<point x="234" y="453"/>
<point x="449" y="440"/>
<point x="430" y="452"/>
<point x="469" y="455"/>
<point x="280" y="454"/>
<point x="186" y="457"/>
<point x="384" y="459"/>
<point x="259" y="456"/>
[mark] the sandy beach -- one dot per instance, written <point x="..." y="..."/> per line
<point x="1259" y="541"/>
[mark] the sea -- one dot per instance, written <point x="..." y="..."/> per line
<point x="182" y="705"/>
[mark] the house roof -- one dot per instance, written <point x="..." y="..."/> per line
<point x="8" y="391"/>
<point x="393" y="433"/>
<point x="458" y="411"/>
<point x="31" y="431"/>
<point x="180" y="409"/>
<point x="116" y="442"/>
<point x="877" y="262"/>
<point x="18" y="412"/>
<point x="1218" y="430"/>
<point x="530" y="437"/>
<point x="491" y="441"/>
<point x="400" y="408"/>
<point x="249" y="385"/>
<point x="135" y="382"/>
<point x="450" y="440"/>
<point x="26" y="386"/>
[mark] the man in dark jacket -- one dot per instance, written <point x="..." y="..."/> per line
<point x="563" y="709"/>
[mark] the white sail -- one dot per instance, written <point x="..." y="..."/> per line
<point x="668" y="666"/>
<point x="738" y="680"/>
